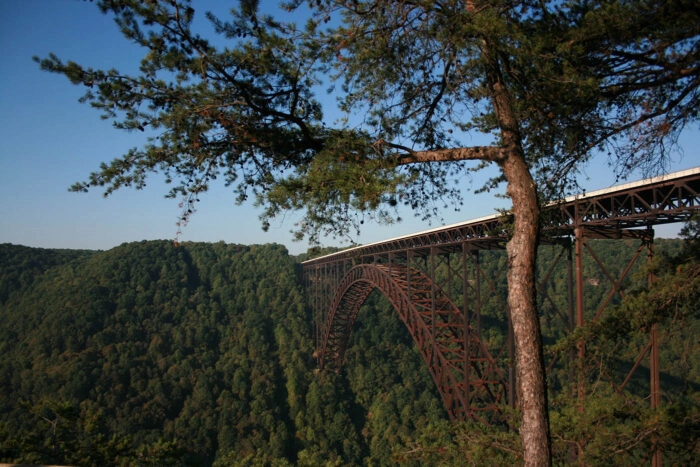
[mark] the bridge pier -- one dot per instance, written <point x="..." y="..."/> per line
<point x="579" y="315"/>
<point x="447" y="289"/>
<point x="457" y="311"/>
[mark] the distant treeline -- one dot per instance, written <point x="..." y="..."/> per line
<point x="201" y="354"/>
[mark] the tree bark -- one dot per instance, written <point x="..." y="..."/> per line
<point x="407" y="155"/>
<point x="522" y="297"/>
<point x="529" y="360"/>
<point x="522" y="255"/>
<point x="484" y="153"/>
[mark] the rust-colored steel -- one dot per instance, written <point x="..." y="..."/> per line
<point x="603" y="214"/>
<point x="446" y="342"/>
<point x="469" y="376"/>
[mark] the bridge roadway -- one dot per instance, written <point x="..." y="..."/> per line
<point x="443" y="315"/>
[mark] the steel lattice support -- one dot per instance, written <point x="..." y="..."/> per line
<point x="581" y="311"/>
<point x="469" y="380"/>
<point x="436" y="282"/>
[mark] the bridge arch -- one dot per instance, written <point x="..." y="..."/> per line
<point x="471" y="384"/>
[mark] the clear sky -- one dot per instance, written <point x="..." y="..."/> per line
<point x="50" y="141"/>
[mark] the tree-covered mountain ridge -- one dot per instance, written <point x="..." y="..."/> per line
<point x="156" y="353"/>
<point x="202" y="353"/>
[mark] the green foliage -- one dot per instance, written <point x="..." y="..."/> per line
<point x="170" y="352"/>
<point x="408" y="77"/>
<point x="615" y="428"/>
<point x="195" y="354"/>
<point x="545" y="83"/>
<point x="201" y="355"/>
<point x="21" y="266"/>
<point x="611" y="426"/>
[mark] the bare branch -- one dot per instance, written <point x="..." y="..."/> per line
<point x="474" y="153"/>
<point x="406" y="155"/>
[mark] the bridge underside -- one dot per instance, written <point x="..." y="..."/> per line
<point x="467" y="376"/>
<point x="456" y="308"/>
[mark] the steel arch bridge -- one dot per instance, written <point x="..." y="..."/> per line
<point x="468" y="378"/>
<point x="436" y="283"/>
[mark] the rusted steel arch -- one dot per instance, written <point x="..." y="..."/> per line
<point x="471" y="384"/>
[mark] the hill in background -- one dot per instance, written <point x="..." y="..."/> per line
<point x="187" y="355"/>
<point x="202" y="354"/>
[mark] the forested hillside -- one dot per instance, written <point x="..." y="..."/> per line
<point x="195" y="354"/>
<point x="200" y="354"/>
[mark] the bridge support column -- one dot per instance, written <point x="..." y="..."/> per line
<point x="651" y="348"/>
<point x="467" y="319"/>
<point x="580" y="316"/>
<point x="571" y="325"/>
<point x="654" y="376"/>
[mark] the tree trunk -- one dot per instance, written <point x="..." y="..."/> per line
<point x="529" y="360"/>
<point x="522" y="254"/>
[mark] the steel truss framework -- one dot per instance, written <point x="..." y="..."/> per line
<point x="437" y="284"/>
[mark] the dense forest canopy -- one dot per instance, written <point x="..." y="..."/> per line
<point x="202" y="354"/>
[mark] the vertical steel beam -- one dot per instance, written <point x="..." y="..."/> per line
<point x="572" y="314"/>
<point x="580" y="316"/>
<point x="655" y="382"/>
<point x="477" y="292"/>
<point x="314" y="287"/>
<point x="433" y="317"/>
<point x="574" y="452"/>
<point x="467" y="321"/>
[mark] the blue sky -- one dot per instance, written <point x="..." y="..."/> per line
<point x="50" y="141"/>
